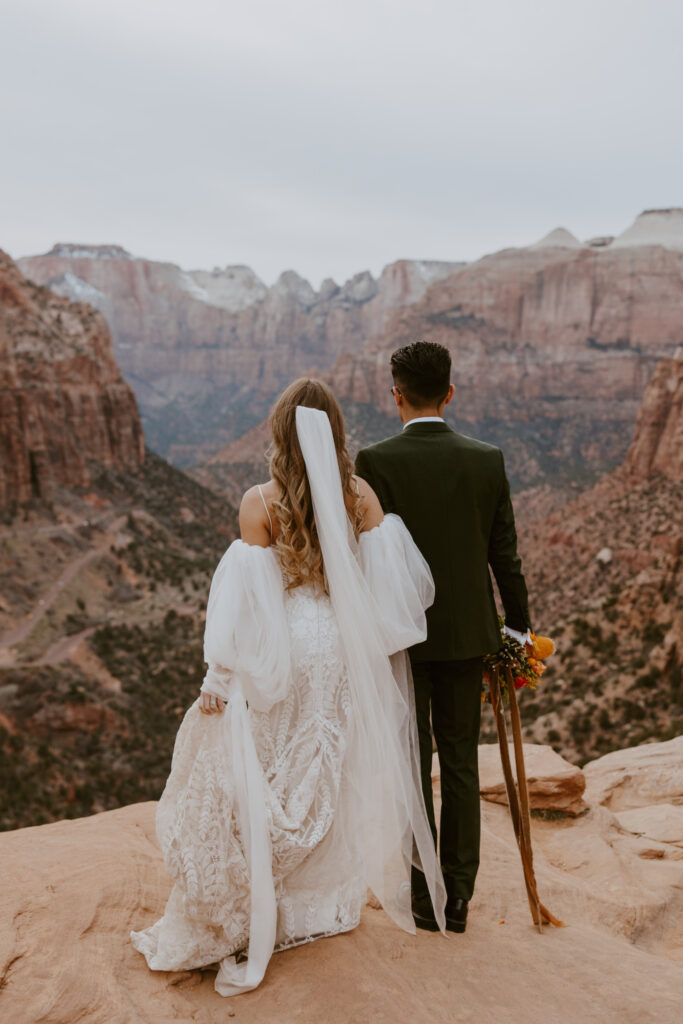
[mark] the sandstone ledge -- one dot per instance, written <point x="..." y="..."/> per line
<point x="554" y="784"/>
<point x="74" y="889"/>
<point x="637" y="776"/>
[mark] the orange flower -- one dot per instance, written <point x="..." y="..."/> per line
<point x="542" y="646"/>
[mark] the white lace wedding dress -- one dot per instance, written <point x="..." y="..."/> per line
<point x="281" y="810"/>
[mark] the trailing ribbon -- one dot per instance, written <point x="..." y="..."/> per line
<point x="234" y="978"/>
<point x="517" y="792"/>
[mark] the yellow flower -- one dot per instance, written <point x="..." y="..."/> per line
<point x="542" y="646"/>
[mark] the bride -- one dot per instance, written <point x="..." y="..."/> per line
<point x="295" y="781"/>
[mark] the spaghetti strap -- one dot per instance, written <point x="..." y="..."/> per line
<point x="265" y="505"/>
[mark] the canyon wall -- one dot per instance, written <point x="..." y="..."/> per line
<point x="206" y="351"/>
<point x="552" y="347"/>
<point x="64" y="406"/>
<point x="552" y="344"/>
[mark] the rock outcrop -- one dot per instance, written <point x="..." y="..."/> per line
<point x="206" y="351"/>
<point x="637" y="776"/>
<point x="658" y="443"/>
<point x="64" y="407"/>
<point x="554" y="784"/>
<point x="74" y="889"/>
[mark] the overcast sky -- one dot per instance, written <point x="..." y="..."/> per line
<point x="334" y="137"/>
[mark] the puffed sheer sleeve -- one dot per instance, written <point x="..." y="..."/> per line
<point x="246" y="639"/>
<point x="246" y="645"/>
<point x="400" y="581"/>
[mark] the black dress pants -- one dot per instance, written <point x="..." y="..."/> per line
<point x="451" y="691"/>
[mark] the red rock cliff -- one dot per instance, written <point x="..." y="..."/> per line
<point x="64" y="407"/>
<point x="552" y="348"/>
<point x="658" y="443"/>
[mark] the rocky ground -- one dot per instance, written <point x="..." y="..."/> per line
<point x="613" y="874"/>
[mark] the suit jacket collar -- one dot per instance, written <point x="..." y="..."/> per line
<point x="433" y="427"/>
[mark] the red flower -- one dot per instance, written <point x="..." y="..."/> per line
<point x="520" y="681"/>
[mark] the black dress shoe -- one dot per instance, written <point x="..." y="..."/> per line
<point x="423" y="914"/>
<point x="456" y="915"/>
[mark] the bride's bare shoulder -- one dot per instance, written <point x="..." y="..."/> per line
<point x="255" y="515"/>
<point x="260" y="495"/>
<point x="372" y="510"/>
<point x="271" y="490"/>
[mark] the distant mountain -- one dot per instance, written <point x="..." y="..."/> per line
<point x="207" y="351"/>
<point x="553" y="343"/>
<point x="552" y="347"/>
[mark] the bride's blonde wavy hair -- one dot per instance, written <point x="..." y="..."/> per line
<point x="297" y="543"/>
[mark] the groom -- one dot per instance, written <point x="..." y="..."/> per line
<point x="453" y="495"/>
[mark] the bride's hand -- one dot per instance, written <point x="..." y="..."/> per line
<point x="209" y="703"/>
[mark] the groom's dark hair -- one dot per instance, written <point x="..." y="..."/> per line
<point x="422" y="373"/>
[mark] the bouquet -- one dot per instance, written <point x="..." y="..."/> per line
<point x="525" y="662"/>
<point x="514" y="666"/>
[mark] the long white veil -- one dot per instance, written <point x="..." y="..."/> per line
<point x="380" y="824"/>
<point x="381" y="764"/>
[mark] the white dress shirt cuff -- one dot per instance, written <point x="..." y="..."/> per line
<point x="521" y="638"/>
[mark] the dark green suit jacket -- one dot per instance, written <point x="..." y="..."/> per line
<point x="453" y="494"/>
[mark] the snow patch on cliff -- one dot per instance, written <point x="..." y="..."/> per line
<point x="232" y="288"/>
<point x="189" y="285"/>
<point x="292" y="285"/>
<point x="69" y="286"/>
<point x="360" y="288"/>
<point x="434" y="270"/>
